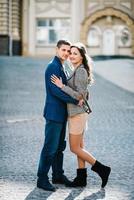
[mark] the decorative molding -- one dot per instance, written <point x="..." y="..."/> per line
<point x="44" y="7"/>
<point x="126" y="4"/>
<point x="109" y="3"/>
<point x="3" y="18"/>
<point x="90" y="6"/>
<point x="106" y="12"/>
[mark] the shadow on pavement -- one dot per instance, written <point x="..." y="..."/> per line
<point x="96" y="195"/>
<point x="38" y="194"/>
<point x="75" y="192"/>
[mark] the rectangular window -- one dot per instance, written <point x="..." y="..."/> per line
<point x="49" y="31"/>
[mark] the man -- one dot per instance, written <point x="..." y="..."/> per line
<point x="55" y="113"/>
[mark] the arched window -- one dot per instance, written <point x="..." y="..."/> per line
<point x="124" y="37"/>
<point x="93" y="38"/>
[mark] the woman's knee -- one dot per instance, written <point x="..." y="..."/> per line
<point x="74" y="149"/>
<point x="75" y="143"/>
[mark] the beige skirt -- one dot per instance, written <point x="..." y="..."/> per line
<point x="77" y="123"/>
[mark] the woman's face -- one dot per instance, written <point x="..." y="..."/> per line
<point x="75" y="56"/>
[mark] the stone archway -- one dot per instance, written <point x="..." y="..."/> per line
<point x="106" y="12"/>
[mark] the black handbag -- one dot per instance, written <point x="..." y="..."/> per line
<point x="86" y="107"/>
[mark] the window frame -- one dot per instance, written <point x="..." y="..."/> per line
<point x="56" y="29"/>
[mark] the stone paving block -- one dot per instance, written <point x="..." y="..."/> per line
<point x="109" y="136"/>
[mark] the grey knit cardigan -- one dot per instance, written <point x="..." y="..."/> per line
<point x="77" y="87"/>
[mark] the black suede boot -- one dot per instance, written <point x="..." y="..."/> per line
<point x="80" y="180"/>
<point x="103" y="171"/>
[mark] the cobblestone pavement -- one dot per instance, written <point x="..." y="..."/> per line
<point x="109" y="136"/>
<point x="119" y="72"/>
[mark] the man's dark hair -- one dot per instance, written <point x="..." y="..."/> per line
<point x="61" y="42"/>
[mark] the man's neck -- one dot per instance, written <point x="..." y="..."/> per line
<point x="62" y="61"/>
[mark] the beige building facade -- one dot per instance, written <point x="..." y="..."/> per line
<point x="106" y="27"/>
<point x="10" y="27"/>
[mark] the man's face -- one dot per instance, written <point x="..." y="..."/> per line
<point x="63" y="52"/>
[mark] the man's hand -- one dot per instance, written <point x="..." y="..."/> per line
<point x="55" y="80"/>
<point x="81" y="102"/>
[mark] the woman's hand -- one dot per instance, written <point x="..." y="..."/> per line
<point x="55" y="80"/>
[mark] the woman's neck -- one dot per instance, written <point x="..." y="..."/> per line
<point x="77" y="65"/>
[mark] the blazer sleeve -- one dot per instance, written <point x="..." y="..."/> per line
<point x="57" y="91"/>
<point x="81" y="79"/>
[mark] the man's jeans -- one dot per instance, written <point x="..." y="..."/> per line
<point x="52" y="152"/>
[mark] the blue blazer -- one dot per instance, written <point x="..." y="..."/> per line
<point x="56" y="100"/>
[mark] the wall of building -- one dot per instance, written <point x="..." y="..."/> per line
<point x="4" y="21"/>
<point x="10" y="27"/>
<point x="108" y="27"/>
<point x="33" y="27"/>
<point x="46" y="21"/>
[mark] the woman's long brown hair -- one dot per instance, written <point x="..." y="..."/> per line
<point x="85" y="61"/>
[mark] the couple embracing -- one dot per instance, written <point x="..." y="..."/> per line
<point x="65" y="102"/>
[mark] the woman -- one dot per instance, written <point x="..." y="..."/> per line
<point x="78" y="88"/>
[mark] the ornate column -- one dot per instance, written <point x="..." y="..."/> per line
<point x="15" y="24"/>
<point x="25" y="27"/>
<point x="31" y="28"/>
<point x="132" y="29"/>
<point x="75" y="20"/>
<point x="4" y="30"/>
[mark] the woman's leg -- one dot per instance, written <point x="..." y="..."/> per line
<point x="75" y="141"/>
<point x="102" y="170"/>
<point x="81" y="178"/>
<point x="81" y="162"/>
<point x="76" y="146"/>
